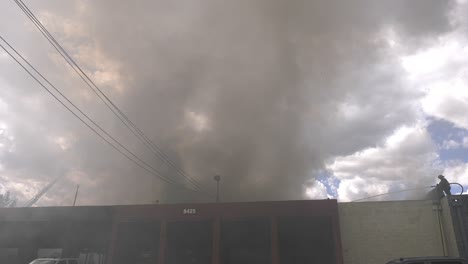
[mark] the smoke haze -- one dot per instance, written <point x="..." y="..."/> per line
<point x="271" y="95"/>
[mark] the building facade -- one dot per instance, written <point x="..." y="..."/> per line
<point x="375" y="232"/>
<point x="287" y="232"/>
<point x="257" y="232"/>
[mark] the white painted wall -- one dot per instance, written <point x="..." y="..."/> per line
<point x="449" y="232"/>
<point x="376" y="232"/>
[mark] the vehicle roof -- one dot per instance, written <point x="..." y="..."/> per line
<point x="400" y="260"/>
<point x="56" y="259"/>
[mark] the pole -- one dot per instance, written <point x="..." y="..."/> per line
<point x="462" y="228"/>
<point x="76" y="194"/>
<point x="217" y="178"/>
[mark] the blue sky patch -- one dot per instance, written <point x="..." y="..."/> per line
<point x="442" y="132"/>
<point x="330" y="182"/>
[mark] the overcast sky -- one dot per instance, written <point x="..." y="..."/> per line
<point x="284" y="99"/>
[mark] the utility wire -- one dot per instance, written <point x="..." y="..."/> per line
<point x="155" y="149"/>
<point x="70" y="102"/>
<point x="81" y="73"/>
<point x="407" y="190"/>
<point x="136" y="159"/>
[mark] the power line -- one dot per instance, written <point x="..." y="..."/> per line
<point x="70" y="102"/>
<point x="155" y="172"/>
<point x="79" y="71"/>
<point x="155" y="149"/>
<point x="407" y="190"/>
<point x="137" y="160"/>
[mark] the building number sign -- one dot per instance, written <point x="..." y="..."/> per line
<point x="189" y="211"/>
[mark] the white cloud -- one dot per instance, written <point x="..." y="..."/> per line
<point x="359" y="188"/>
<point x="457" y="171"/>
<point x="465" y="142"/>
<point x="405" y="160"/>
<point x="440" y="71"/>
<point x="316" y="191"/>
<point x="450" y="144"/>
<point x="433" y="59"/>
<point x="449" y="101"/>
<point x="23" y="189"/>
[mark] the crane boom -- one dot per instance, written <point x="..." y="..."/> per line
<point x="41" y="193"/>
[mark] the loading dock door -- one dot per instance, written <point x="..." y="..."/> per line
<point x="246" y="242"/>
<point x="306" y="241"/>
<point x="189" y="242"/>
<point x="137" y="243"/>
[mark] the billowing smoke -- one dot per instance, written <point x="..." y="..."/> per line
<point x="261" y="92"/>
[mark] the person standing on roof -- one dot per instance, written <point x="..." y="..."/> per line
<point x="444" y="185"/>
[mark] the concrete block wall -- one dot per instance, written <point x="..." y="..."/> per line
<point x="376" y="232"/>
<point x="449" y="233"/>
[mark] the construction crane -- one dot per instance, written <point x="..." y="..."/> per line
<point x="41" y="193"/>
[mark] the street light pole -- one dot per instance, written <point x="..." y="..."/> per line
<point x="76" y="194"/>
<point x="217" y="178"/>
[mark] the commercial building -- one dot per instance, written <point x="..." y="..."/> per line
<point x="375" y="232"/>
<point x="286" y="232"/>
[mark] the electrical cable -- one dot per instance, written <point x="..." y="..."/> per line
<point x="157" y="151"/>
<point x="70" y="102"/>
<point x="73" y="64"/>
<point x="407" y="190"/>
<point x="153" y="171"/>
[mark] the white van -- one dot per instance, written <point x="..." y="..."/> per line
<point x="55" y="261"/>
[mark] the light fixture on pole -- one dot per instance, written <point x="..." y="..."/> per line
<point x="217" y="178"/>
